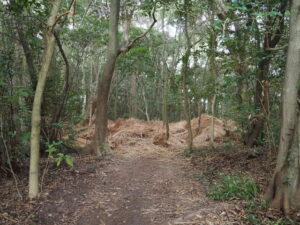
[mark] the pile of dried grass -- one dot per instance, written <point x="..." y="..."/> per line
<point x="129" y="133"/>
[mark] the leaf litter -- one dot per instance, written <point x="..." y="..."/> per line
<point x="145" y="181"/>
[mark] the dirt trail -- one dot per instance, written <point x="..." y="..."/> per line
<point x="144" y="182"/>
<point x="131" y="190"/>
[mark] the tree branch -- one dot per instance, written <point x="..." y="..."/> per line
<point x="60" y="108"/>
<point x="71" y="11"/>
<point x="277" y="48"/>
<point x="126" y="48"/>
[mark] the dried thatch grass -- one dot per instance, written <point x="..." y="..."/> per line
<point x="148" y="136"/>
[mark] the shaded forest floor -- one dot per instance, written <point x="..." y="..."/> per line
<point x="145" y="181"/>
<point x="135" y="190"/>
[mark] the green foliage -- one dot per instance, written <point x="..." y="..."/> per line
<point x="57" y="156"/>
<point x="231" y="186"/>
<point x="255" y="217"/>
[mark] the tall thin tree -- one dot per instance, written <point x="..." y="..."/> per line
<point x="37" y="102"/>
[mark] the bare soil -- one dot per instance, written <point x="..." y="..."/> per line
<point x="141" y="190"/>
<point x="141" y="183"/>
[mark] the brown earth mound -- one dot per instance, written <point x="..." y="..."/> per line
<point x="133" y="132"/>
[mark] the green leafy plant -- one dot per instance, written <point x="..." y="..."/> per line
<point x="233" y="187"/>
<point x="282" y="221"/>
<point x="58" y="156"/>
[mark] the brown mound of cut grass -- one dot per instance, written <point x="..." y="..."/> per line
<point x="129" y="132"/>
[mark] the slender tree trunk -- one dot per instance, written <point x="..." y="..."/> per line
<point x="200" y="109"/>
<point x="213" y="72"/>
<point x="133" y="96"/>
<point x="27" y="52"/>
<point x="146" y="105"/>
<point x="36" y="109"/>
<point x="133" y="82"/>
<point x="54" y="131"/>
<point x="165" y="110"/>
<point x="284" y="188"/>
<point x="212" y="125"/>
<point x="115" y="110"/>
<point x="185" y="71"/>
<point x="101" y="147"/>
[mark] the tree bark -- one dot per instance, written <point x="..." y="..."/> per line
<point x="100" y="145"/>
<point x="185" y="71"/>
<point x="133" y="108"/>
<point x="54" y="131"/>
<point x="104" y="83"/>
<point x="27" y="53"/>
<point x="213" y="73"/>
<point x="37" y="102"/>
<point x="165" y="110"/>
<point x="284" y="189"/>
<point x="271" y="39"/>
<point x="212" y="125"/>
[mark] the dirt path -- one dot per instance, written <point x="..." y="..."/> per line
<point x="136" y="189"/>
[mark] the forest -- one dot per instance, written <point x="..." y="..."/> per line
<point x="150" y="112"/>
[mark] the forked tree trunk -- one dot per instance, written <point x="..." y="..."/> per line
<point x="36" y="109"/>
<point x="101" y="146"/>
<point x="284" y="189"/>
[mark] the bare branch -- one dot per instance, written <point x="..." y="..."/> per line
<point x="277" y="48"/>
<point x="126" y="48"/>
<point x="71" y="11"/>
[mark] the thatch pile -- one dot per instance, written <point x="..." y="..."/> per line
<point x="139" y="134"/>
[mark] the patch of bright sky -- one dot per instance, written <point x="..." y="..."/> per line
<point x="5" y="2"/>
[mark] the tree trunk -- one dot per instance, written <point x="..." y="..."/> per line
<point x="185" y="71"/>
<point x="26" y="48"/>
<point x="55" y="131"/>
<point x="271" y="39"/>
<point x="261" y="102"/>
<point x="212" y="125"/>
<point x="213" y="73"/>
<point x="200" y="109"/>
<point x="101" y="148"/>
<point x="36" y="109"/>
<point x="133" y="97"/>
<point x="165" y="111"/>
<point x="284" y="189"/>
